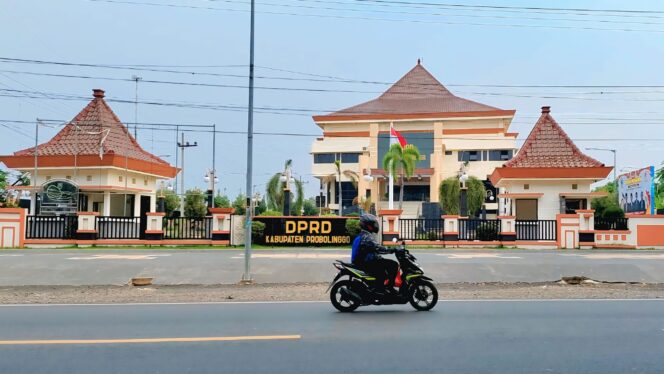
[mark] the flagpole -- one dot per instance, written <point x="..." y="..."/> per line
<point x="391" y="177"/>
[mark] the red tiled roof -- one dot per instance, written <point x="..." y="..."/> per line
<point x="548" y="146"/>
<point x="416" y="92"/>
<point x="95" y="127"/>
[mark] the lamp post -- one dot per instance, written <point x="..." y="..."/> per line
<point x="463" y="203"/>
<point x="211" y="179"/>
<point x="287" y="178"/>
<point x="614" y="151"/>
<point x="161" y="203"/>
<point x="182" y="146"/>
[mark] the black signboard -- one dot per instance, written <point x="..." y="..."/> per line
<point x="59" y="197"/>
<point x="305" y="231"/>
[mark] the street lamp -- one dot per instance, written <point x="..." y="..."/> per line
<point x="161" y="202"/>
<point x="614" y="151"/>
<point x="211" y="179"/>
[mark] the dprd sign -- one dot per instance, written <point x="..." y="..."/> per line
<point x="312" y="231"/>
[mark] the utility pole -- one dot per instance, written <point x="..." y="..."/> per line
<point x="136" y="78"/>
<point x="182" y="146"/>
<point x="33" y="195"/>
<point x="246" y="277"/>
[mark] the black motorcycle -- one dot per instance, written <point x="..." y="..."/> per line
<point x="360" y="288"/>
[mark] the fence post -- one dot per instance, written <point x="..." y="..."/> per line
<point x="221" y="225"/>
<point x="586" y="228"/>
<point x="392" y="217"/>
<point x="87" y="226"/>
<point x="451" y="228"/>
<point x="507" y="230"/>
<point x="155" y="227"/>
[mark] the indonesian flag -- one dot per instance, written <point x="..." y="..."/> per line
<point x="395" y="134"/>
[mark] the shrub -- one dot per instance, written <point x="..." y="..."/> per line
<point x="613" y="212"/>
<point x="271" y="213"/>
<point x="486" y="232"/>
<point x="432" y="235"/>
<point x="354" y="214"/>
<point x="353" y="227"/>
<point x="257" y="230"/>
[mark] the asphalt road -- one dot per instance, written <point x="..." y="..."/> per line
<point x="116" y="267"/>
<point x="579" y="336"/>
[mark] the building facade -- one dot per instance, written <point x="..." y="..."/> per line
<point x="92" y="165"/>
<point x="449" y="132"/>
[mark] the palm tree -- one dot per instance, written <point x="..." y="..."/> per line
<point x="401" y="161"/>
<point x="274" y="192"/>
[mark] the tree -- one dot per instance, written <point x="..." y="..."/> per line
<point x="450" y="194"/>
<point x="194" y="204"/>
<point x="222" y="201"/>
<point x="401" y="161"/>
<point x="240" y="204"/>
<point x="274" y="192"/>
<point x="606" y="206"/>
<point x="309" y="208"/>
<point x="3" y="186"/>
<point x="659" y="187"/>
<point x="171" y="201"/>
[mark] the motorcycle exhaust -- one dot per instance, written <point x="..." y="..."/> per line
<point x="350" y="294"/>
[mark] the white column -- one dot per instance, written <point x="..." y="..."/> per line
<point x="107" y="203"/>
<point x="137" y="205"/>
<point x="153" y="202"/>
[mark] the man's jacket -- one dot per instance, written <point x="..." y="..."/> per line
<point x="366" y="249"/>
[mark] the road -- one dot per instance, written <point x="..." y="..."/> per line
<point x="171" y="266"/>
<point x="581" y="336"/>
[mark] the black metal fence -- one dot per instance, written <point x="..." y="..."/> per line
<point x="51" y="227"/>
<point x="479" y="229"/>
<point x="611" y="223"/>
<point x="119" y="227"/>
<point x="536" y="230"/>
<point x="421" y="229"/>
<point x="187" y="228"/>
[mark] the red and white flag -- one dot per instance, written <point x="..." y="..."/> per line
<point x="395" y="134"/>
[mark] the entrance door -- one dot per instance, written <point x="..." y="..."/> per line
<point x="526" y="209"/>
<point x="569" y="240"/>
<point x="145" y="208"/>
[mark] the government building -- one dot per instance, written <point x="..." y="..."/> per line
<point x="448" y="130"/>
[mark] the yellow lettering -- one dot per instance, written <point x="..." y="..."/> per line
<point x="301" y="226"/>
<point x="326" y="227"/>
<point x="314" y="227"/>
<point x="290" y="227"/>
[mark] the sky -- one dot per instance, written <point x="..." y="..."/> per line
<point x="304" y="47"/>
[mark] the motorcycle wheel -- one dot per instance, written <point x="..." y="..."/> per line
<point x="340" y="301"/>
<point x="423" y="295"/>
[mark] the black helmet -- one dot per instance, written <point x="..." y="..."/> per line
<point x="369" y="222"/>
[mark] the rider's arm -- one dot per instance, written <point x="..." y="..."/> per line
<point x="372" y="245"/>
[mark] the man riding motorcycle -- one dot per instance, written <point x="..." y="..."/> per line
<point x="366" y="254"/>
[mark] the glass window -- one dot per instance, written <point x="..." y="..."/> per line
<point x="500" y="155"/>
<point x="423" y="142"/>
<point x="350" y="158"/>
<point x="473" y="156"/>
<point x="324" y="158"/>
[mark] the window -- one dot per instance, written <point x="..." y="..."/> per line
<point x="448" y="153"/>
<point x="324" y="158"/>
<point x="145" y="182"/>
<point x="572" y="205"/>
<point x="88" y="178"/>
<point x="133" y="180"/>
<point x="500" y="155"/>
<point x="68" y="177"/>
<point x="526" y="209"/>
<point x="526" y="186"/>
<point x="120" y="179"/>
<point x="575" y="186"/>
<point x="350" y="158"/>
<point x="470" y="156"/>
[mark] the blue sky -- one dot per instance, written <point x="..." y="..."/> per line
<point x="339" y="45"/>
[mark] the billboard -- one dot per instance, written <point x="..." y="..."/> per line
<point x="636" y="191"/>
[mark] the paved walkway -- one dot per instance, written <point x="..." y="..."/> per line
<point x="104" y="267"/>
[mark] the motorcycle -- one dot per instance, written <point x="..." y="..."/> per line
<point x="358" y="289"/>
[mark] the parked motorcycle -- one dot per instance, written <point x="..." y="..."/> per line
<point x="359" y="288"/>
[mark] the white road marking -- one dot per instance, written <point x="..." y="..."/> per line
<point x="11" y="255"/>
<point x="120" y="257"/>
<point x="465" y="256"/>
<point x="620" y="256"/>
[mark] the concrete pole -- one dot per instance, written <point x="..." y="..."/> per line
<point x="246" y="277"/>
<point x="33" y="183"/>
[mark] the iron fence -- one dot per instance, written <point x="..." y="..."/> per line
<point x="119" y="227"/>
<point x="187" y="228"/>
<point x="611" y="223"/>
<point x="536" y="230"/>
<point x="421" y="229"/>
<point x="51" y="227"/>
<point x="479" y="229"/>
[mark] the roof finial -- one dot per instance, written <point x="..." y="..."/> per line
<point x="546" y="109"/>
<point x="98" y="93"/>
<point x="419" y="61"/>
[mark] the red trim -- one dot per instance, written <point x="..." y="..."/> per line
<point x="512" y="134"/>
<point x="614" y="246"/>
<point x="87" y="213"/>
<point x="154" y="231"/>
<point x="585" y="211"/>
<point x="506" y="217"/>
<point x="86" y="231"/>
<point x="450" y="216"/>
<point x="155" y="214"/>
<point x="360" y="117"/>
<point x="221" y="232"/>
<point x="221" y="210"/>
<point x="492" y="130"/>
<point x="587" y="231"/>
<point x="10" y="220"/>
<point x="420" y="171"/>
<point x="450" y="232"/>
<point x="346" y="134"/>
<point x="542" y="173"/>
<point x="46" y="161"/>
<point x="613" y="231"/>
<point x="524" y="195"/>
<point x="632" y="215"/>
<point x="390" y="212"/>
<point x="508" y="233"/>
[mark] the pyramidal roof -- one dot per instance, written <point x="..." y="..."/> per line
<point x="96" y="130"/>
<point x="548" y="146"/>
<point x="417" y="92"/>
